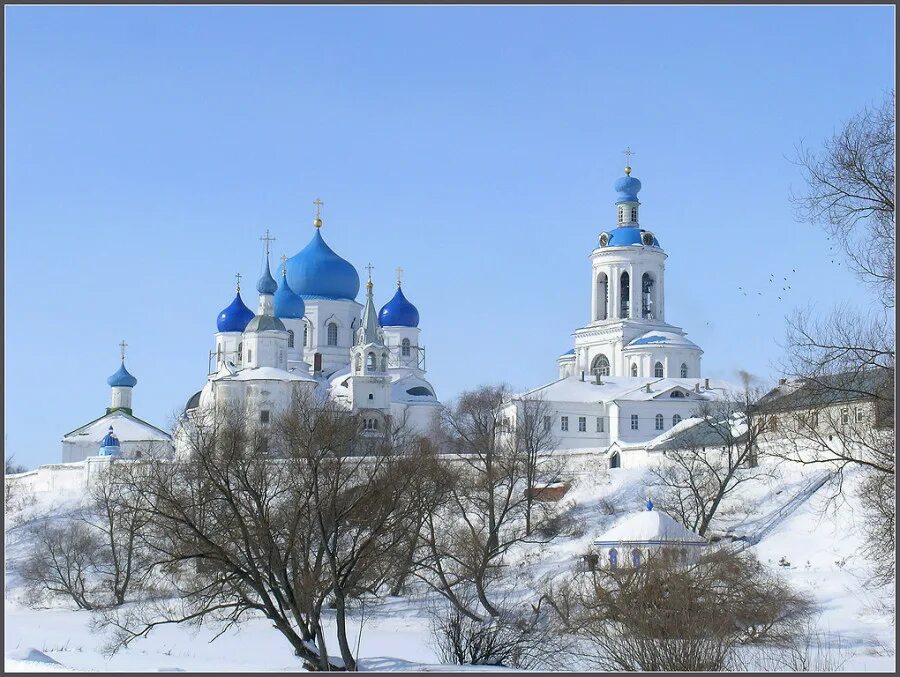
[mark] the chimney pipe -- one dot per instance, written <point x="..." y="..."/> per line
<point x="582" y="375"/>
<point x="597" y="379"/>
<point x="647" y="387"/>
<point x="706" y="384"/>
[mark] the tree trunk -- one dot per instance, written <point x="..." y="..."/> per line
<point x="341" y="619"/>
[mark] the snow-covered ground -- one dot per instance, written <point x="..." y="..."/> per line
<point x="818" y="541"/>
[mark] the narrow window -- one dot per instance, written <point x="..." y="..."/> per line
<point x="683" y="370"/>
<point x="249" y="355"/>
<point x="371" y="396"/>
<point x="625" y="295"/>
<point x="634" y="370"/>
<point x="773" y="422"/>
<point x="621" y="214"/>
<point x="659" y="421"/>
<point x="613" y="558"/>
<point x="240" y="352"/>
<point x="370" y="362"/>
<point x="647" y="296"/>
<point x="634" y="421"/>
<point x="845" y="416"/>
<point x="676" y="419"/>
<point x="358" y="363"/>
<point x="264" y="416"/>
<point x="859" y="415"/>
<point x="332" y="334"/>
<point x="582" y="424"/>
<point x="599" y="424"/>
<point x="564" y="423"/>
<point x="290" y="338"/>
<point x="404" y="347"/>
<point x="305" y="335"/>
<point x="658" y="370"/>
<point x="547" y="423"/>
<point x="634" y="214"/>
<point x="636" y="558"/>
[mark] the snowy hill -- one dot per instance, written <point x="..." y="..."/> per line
<point x="787" y="521"/>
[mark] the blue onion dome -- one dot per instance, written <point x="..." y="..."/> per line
<point x="236" y="316"/>
<point x="122" y="379"/>
<point x="109" y="445"/>
<point x="627" y="188"/>
<point x="398" y="312"/>
<point x="628" y="235"/>
<point x="288" y="305"/>
<point x="317" y="271"/>
<point x="266" y="284"/>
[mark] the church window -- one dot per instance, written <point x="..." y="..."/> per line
<point x="634" y="214"/>
<point x="240" y="351"/>
<point x="636" y="558"/>
<point x="634" y="370"/>
<point x="290" y="338"/>
<point x="613" y="558"/>
<point x="547" y="423"/>
<point x="602" y="301"/>
<point x="564" y="423"/>
<point x="634" y="421"/>
<point x="845" y="417"/>
<point x="621" y="214"/>
<point x="676" y="419"/>
<point x="625" y="295"/>
<point x="249" y="355"/>
<point x="683" y="370"/>
<point x="600" y="365"/>
<point x="647" y="296"/>
<point x="264" y="416"/>
<point x="659" y="421"/>
<point x="676" y="394"/>
<point x="371" y="396"/>
<point x="370" y="361"/>
<point x="306" y="340"/>
<point x="332" y="334"/>
<point x="658" y="370"/>
<point x="359" y="363"/>
<point x="404" y="347"/>
<point x="859" y="415"/>
<point x="582" y="424"/>
<point x="599" y="424"/>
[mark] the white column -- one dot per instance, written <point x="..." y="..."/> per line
<point x="660" y="296"/>
<point x="613" y="292"/>
<point x="594" y="299"/>
<point x="631" y="289"/>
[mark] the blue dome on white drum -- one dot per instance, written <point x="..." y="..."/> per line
<point x="627" y="188"/>
<point x="629" y="235"/>
<point x="317" y="271"/>
<point x="288" y="305"/>
<point x="109" y="445"/>
<point x="122" y="379"/>
<point x="398" y="312"/>
<point x="235" y="317"/>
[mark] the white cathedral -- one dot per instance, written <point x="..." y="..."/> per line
<point x="629" y="378"/>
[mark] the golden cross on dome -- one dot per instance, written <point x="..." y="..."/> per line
<point x="399" y="275"/>
<point x="237" y="276"/>
<point x="123" y="346"/>
<point x="267" y="240"/>
<point x="318" y="220"/>
<point x="628" y="153"/>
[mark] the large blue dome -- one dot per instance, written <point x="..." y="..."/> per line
<point x="317" y="271"/>
<point x="288" y="305"/>
<point x="398" y="312"/>
<point x="621" y="237"/>
<point x="235" y="317"/>
<point x="122" y="379"/>
<point x="627" y="189"/>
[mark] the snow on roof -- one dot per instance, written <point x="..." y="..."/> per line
<point x="128" y="428"/>
<point x="699" y="432"/>
<point x="264" y="374"/>
<point x="648" y="526"/>
<point x="573" y="389"/>
<point x="668" y="338"/>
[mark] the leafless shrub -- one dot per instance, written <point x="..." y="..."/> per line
<point x="877" y="495"/>
<point x="806" y="651"/>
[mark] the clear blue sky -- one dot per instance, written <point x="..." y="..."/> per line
<point x="148" y="148"/>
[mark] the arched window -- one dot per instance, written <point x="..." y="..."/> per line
<point x="658" y="370"/>
<point x="634" y="214"/>
<point x="600" y="365"/>
<point x="332" y="334"/>
<point x="683" y="370"/>
<point x="659" y="421"/>
<point x="676" y="394"/>
<point x="647" y="296"/>
<point x="306" y="338"/>
<point x="634" y="369"/>
<point x="384" y="363"/>
<point x="621" y="214"/>
<point x="370" y="361"/>
<point x="625" y="295"/>
<point x="240" y="354"/>
<point x="404" y="347"/>
<point x="375" y="424"/>
<point x="636" y="558"/>
<point x="290" y="338"/>
<point x="358" y="363"/>
<point x="613" y="558"/>
<point x="614" y="461"/>
<point x="676" y="419"/>
<point x="601" y="311"/>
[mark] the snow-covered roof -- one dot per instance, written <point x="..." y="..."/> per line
<point x="128" y="428"/>
<point x="648" y="527"/>
<point x="263" y="374"/>
<point x="699" y="432"/>
<point x="573" y="389"/>
<point x="666" y="338"/>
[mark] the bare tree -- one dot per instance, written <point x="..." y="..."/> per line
<point x="480" y="512"/>
<point x="710" y="460"/>
<point x="669" y="616"/>
<point x="535" y="440"/>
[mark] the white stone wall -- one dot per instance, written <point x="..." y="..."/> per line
<point x="78" y="451"/>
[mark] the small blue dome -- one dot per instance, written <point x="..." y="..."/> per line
<point x="627" y="189"/>
<point x="398" y="312"/>
<point x="649" y="504"/>
<point x="628" y="235"/>
<point x="288" y="305"/>
<point x="122" y="379"/>
<point x="266" y="284"/>
<point x="235" y="317"/>
<point x="317" y="271"/>
<point x="109" y="445"/>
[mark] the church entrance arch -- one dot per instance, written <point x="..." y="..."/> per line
<point x="615" y="461"/>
